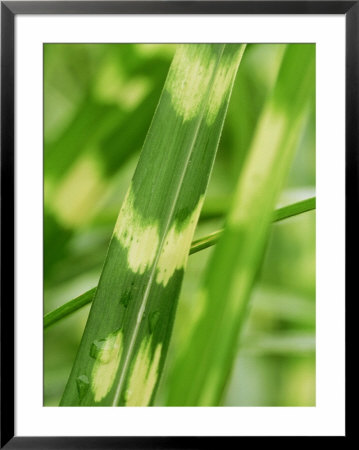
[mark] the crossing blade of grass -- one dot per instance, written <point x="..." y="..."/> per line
<point x="126" y="337"/>
<point x="279" y="214"/>
<point x="199" y="244"/>
<point x="69" y="308"/>
<point x="200" y="374"/>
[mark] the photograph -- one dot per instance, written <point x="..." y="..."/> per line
<point x="179" y="218"/>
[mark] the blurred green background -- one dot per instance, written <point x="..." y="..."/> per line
<point x="99" y="100"/>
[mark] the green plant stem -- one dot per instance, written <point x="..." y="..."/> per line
<point x="197" y="245"/>
<point x="294" y="209"/>
<point x="279" y="214"/>
<point x="68" y="308"/>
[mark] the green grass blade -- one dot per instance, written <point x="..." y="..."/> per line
<point x="295" y="208"/>
<point x="202" y="369"/>
<point x="69" y="308"/>
<point x="279" y="214"/>
<point x="199" y="244"/>
<point x="126" y="337"/>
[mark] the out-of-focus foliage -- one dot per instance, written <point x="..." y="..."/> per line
<point x="99" y="102"/>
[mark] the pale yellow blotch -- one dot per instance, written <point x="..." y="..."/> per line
<point x="222" y="85"/>
<point x="106" y="365"/>
<point x="176" y="246"/>
<point x="263" y="154"/>
<point x="75" y="200"/>
<point x="190" y="74"/>
<point x="144" y="375"/>
<point x="138" y="235"/>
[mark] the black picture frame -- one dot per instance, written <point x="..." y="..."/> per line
<point x="9" y="10"/>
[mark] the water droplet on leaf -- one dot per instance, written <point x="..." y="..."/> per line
<point x="100" y="351"/>
<point x="125" y="299"/>
<point x="104" y="350"/>
<point x="82" y="383"/>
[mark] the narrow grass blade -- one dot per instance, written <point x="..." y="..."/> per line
<point x="201" y="371"/>
<point x="199" y="244"/>
<point x="279" y="214"/>
<point x="295" y="208"/>
<point x="125" y="341"/>
<point x="69" y="307"/>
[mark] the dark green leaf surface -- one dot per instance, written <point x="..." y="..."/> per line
<point x="125" y="341"/>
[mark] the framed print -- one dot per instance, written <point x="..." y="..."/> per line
<point x="179" y="187"/>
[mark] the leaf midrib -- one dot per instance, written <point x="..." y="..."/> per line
<point x="166" y="228"/>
